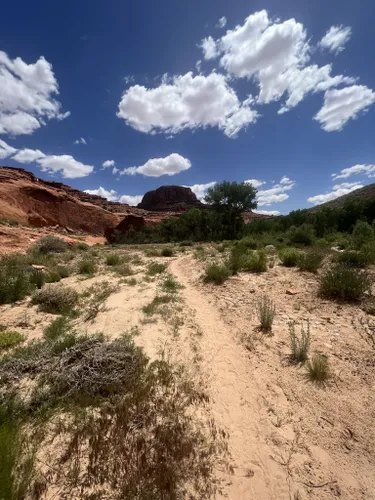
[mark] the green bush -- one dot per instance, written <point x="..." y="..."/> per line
<point x="124" y="270"/>
<point x="352" y="258"/>
<point x="318" y="368"/>
<point x="362" y="233"/>
<point x="63" y="271"/>
<point x="38" y="278"/>
<point x="59" y="327"/>
<point x="345" y="283"/>
<point x="299" y="345"/>
<point x="56" y="299"/>
<point x="186" y="243"/>
<point x="310" y="262"/>
<point x="15" y="282"/>
<point x="83" y="247"/>
<point x="155" y="268"/>
<point x="236" y="258"/>
<point x="254" y="262"/>
<point x="289" y="257"/>
<point x="166" y="252"/>
<point x="170" y="285"/>
<point x="53" y="277"/>
<point x="10" y="339"/>
<point x="113" y="259"/>
<point x="87" y="266"/>
<point x="216" y="274"/>
<point x="302" y="235"/>
<point x="266" y="310"/>
<point x="52" y="244"/>
<point x="248" y="242"/>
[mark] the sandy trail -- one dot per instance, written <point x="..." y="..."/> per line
<point x="236" y="399"/>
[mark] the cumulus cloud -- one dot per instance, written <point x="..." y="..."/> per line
<point x="337" y="191"/>
<point x="342" y="105"/>
<point x="276" y="194"/>
<point x="66" y="165"/>
<point x="200" y="190"/>
<point x="82" y="140"/>
<point x="275" y="55"/>
<point x="267" y="212"/>
<point x="27" y="95"/>
<point x="6" y="150"/>
<point x="368" y="170"/>
<point x="186" y="102"/>
<point x="130" y="199"/>
<point x="209" y="47"/>
<point x="104" y="193"/>
<point x="108" y="163"/>
<point x="112" y="195"/>
<point x="255" y="182"/>
<point x="336" y="38"/>
<point x="221" y="23"/>
<point x="156" y="167"/>
<point x="115" y="170"/>
<point x="28" y="155"/>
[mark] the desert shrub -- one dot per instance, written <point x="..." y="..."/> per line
<point x="318" y="368"/>
<point x="15" y="283"/>
<point x="220" y="248"/>
<point x="96" y="296"/>
<point x="299" y="345"/>
<point x="302" y="235"/>
<point x="113" y="259"/>
<point x="52" y="277"/>
<point x="352" y="258"/>
<point x="59" y="327"/>
<point x="87" y="266"/>
<point x="131" y="282"/>
<point x="166" y="252"/>
<point x="155" y="268"/>
<point x="248" y="242"/>
<point x="186" y="243"/>
<point x="266" y="311"/>
<point x="153" y="306"/>
<point x="63" y="271"/>
<point x="344" y="283"/>
<point x="289" y="257"/>
<point x="214" y="273"/>
<point x="310" y="262"/>
<point x="152" y="252"/>
<point x="82" y="247"/>
<point x="362" y="233"/>
<point x="38" y="278"/>
<point x="368" y="252"/>
<point x="52" y="244"/>
<point x="124" y="270"/>
<point x="10" y="339"/>
<point x="170" y="285"/>
<point x="235" y="260"/>
<point x="56" y="299"/>
<point x="254" y="261"/>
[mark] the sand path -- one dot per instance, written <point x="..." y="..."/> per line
<point x="236" y="399"/>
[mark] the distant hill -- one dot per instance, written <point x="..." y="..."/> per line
<point x="365" y="193"/>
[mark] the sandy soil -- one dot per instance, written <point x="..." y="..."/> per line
<point x="288" y="438"/>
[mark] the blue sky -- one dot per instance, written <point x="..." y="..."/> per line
<point x="191" y="93"/>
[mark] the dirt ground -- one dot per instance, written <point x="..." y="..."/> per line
<point x="288" y="438"/>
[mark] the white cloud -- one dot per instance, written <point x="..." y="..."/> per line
<point x="337" y="191"/>
<point x="6" y="150"/>
<point x="209" y="47"/>
<point x="255" y="182"/>
<point x="267" y="212"/>
<point x="276" y="194"/>
<point x="221" y="23"/>
<point x="156" y="167"/>
<point x="368" y="170"/>
<point x="200" y="190"/>
<point x="28" y="155"/>
<point x="335" y="38"/>
<point x="112" y="195"/>
<point x="66" y="164"/>
<point x="131" y="200"/>
<point x="342" y="105"/>
<point x="26" y="95"/>
<point x="82" y="140"/>
<point x="275" y="55"/>
<point x="186" y="102"/>
<point x="108" y="163"/>
<point x="108" y="195"/>
<point x="115" y="170"/>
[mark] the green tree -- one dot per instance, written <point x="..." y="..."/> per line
<point x="230" y="200"/>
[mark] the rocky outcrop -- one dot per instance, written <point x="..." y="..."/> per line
<point x="128" y="223"/>
<point x="170" y="198"/>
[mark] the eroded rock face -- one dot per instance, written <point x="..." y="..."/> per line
<point x="129" y="222"/>
<point x="170" y="198"/>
